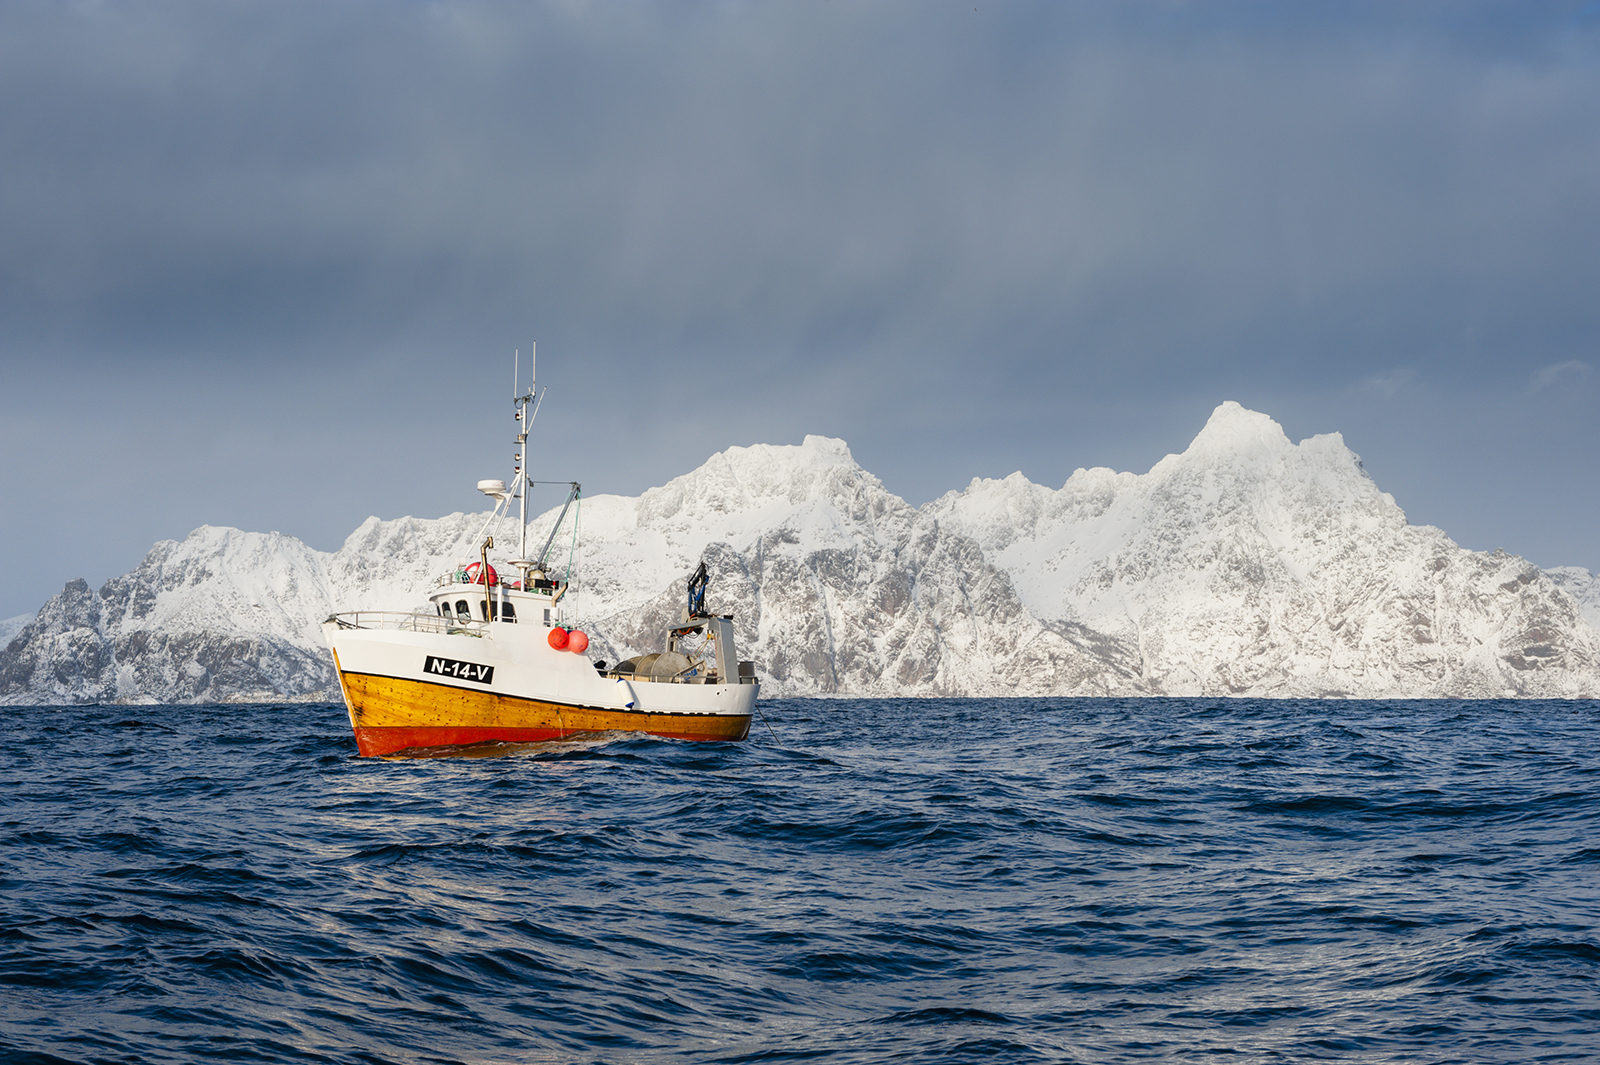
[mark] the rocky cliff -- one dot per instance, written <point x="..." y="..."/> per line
<point x="1246" y="565"/>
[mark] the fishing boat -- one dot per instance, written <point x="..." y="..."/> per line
<point x="494" y="659"/>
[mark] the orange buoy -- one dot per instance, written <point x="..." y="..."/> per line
<point x="475" y="577"/>
<point x="577" y="641"/>
<point x="558" y="638"/>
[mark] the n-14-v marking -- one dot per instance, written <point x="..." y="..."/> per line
<point x="449" y="667"/>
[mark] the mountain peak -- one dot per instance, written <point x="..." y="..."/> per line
<point x="1234" y="428"/>
<point x="828" y="445"/>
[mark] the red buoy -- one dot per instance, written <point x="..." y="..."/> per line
<point x="475" y="577"/>
<point x="577" y="641"/>
<point x="558" y="638"/>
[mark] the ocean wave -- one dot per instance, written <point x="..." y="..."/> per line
<point x="1101" y="880"/>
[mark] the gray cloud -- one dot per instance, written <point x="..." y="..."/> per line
<point x="1389" y="382"/>
<point x="1570" y="372"/>
<point x="967" y="241"/>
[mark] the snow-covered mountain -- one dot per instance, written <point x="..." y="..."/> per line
<point x="1246" y="565"/>
<point x="1249" y="564"/>
<point x="11" y="626"/>
<point x="1583" y="586"/>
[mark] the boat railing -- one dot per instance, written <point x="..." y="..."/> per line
<point x="444" y="580"/>
<point x="405" y="622"/>
<point x="459" y="577"/>
<point x="698" y="678"/>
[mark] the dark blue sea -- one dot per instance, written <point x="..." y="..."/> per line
<point x="1112" y="880"/>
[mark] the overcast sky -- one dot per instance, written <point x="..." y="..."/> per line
<point x="264" y="264"/>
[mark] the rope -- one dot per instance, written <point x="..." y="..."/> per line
<point x="767" y="723"/>
<point x="577" y="515"/>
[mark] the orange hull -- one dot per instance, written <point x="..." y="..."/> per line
<point x="392" y="714"/>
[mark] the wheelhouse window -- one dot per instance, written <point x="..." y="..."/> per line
<point x="507" y="611"/>
<point x="463" y="611"/>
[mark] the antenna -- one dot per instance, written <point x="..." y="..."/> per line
<point x="525" y="421"/>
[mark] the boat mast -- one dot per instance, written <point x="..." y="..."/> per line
<point x="522" y="401"/>
<point x="533" y="386"/>
<point x="522" y="439"/>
